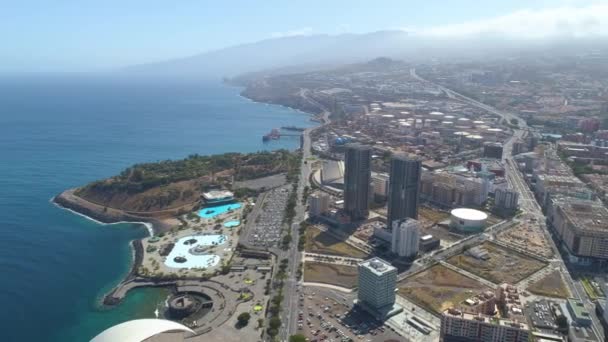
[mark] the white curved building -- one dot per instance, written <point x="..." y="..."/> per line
<point x="468" y="220"/>
<point x="332" y="173"/>
<point x="139" y="330"/>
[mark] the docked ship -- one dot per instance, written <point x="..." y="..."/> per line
<point x="273" y="135"/>
<point x="293" y="128"/>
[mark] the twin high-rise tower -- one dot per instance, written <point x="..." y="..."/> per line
<point x="403" y="189"/>
<point x="357" y="177"/>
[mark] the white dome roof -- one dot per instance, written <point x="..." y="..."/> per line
<point x="138" y="330"/>
<point x="469" y="214"/>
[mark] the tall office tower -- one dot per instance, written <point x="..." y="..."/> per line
<point x="357" y="177"/>
<point x="406" y="236"/>
<point x="377" y="283"/>
<point x="403" y="191"/>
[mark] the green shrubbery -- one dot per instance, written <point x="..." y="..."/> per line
<point x="141" y="177"/>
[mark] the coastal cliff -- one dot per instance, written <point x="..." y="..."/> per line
<point x="69" y="200"/>
<point x="158" y="192"/>
<point x="280" y="91"/>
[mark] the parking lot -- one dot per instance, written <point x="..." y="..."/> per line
<point x="265" y="230"/>
<point x="326" y="317"/>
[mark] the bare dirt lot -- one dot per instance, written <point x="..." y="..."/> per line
<point x="439" y="288"/>
<point x="552" y="285"/>
<point x="503" y="266"/>
<point x="321" y="242"/>
<point x="433" y="215"/>
<point x="492" y="219"/>
<point x="340" y="275"/>
<point x="527" y="236"/>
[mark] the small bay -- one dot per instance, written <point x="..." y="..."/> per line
<point x="62" y="131"/>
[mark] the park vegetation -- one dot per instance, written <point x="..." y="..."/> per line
<point x="174" y="183"/>
<point x="297" y="338"/>
<point x="243" y="319"/>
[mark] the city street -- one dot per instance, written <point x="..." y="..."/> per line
<point x="290" y="303"/>
<point x="527" y="201"/>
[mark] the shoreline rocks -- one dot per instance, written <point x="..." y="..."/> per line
<point x="69" y="200"/>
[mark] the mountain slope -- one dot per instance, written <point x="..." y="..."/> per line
<point x="314" y="50"/>
<point x="318" y="51"/>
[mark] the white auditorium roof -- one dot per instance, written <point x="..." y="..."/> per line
<point x="139" y="330"/>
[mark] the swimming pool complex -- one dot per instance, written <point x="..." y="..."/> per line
<point x="211" y="212"/>
<point x="232" y="224"/>
<point x="185" y="259"/>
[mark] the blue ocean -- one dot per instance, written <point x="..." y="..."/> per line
<point x="61" y="131"/>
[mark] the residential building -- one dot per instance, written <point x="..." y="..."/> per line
<point x="517" y="148"/>
<point x="488" y="316"/>
<point x="405" y="237"/>
<point x="318" y="204"/>
<point x="460" y="326"/>
<point x="492" y="150"/>
<point x="545" y="181"/>
<point x="582" y="227"/>
<point x="506" y="199"/>
<point x="380" y="182"/>
<point x="589" y="124"/>
<point x="449" y="190"/>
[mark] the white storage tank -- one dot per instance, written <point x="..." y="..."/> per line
<point x="468" y="220"/>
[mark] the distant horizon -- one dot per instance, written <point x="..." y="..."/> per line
<point x="112" y="35"/>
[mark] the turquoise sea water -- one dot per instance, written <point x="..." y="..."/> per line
<point x="211" y="212"/>
<point x="61" y="131"/>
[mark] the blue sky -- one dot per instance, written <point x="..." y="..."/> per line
<point x="83" y="35"/>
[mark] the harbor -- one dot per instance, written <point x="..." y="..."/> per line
<point x="276" y="133"/>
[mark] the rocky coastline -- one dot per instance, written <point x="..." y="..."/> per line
<point x="269" y="93"/>
<point x="69" y="200"/>
<point x="138" y="254"/>
<point x="157" y="220"/>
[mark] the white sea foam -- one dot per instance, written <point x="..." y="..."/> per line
<point x="148" y="225"/>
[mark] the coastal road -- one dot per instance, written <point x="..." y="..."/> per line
<point x="290" y="302"/>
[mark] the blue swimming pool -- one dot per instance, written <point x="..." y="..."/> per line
<point x="211" y="212"/>
<point x="231" y="224"/>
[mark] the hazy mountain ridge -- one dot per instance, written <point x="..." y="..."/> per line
<point x="303" y="53"/>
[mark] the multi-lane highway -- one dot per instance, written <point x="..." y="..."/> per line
<point x="290" y="295"/>
<point x="528" y="203"/>
<point x="454" y="95"/>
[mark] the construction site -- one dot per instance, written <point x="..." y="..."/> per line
<point x="438" y="288"/>
<point x="497" y="263"/>
<point x="527" y="236"/>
